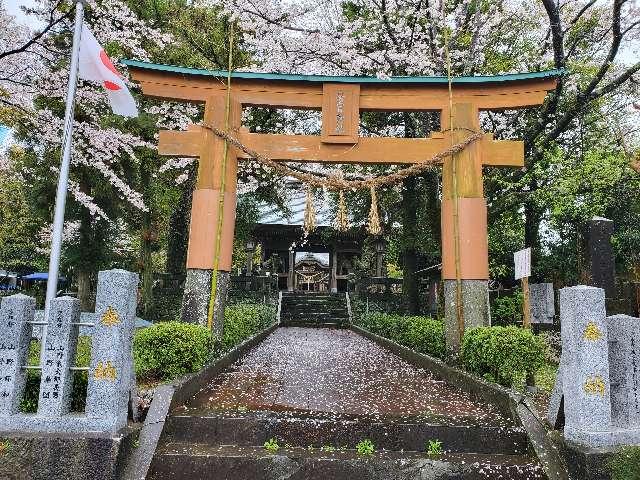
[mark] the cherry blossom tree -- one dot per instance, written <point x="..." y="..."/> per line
<point x="407" y="37"/>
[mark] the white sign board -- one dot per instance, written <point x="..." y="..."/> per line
<point x="522" y="261"/>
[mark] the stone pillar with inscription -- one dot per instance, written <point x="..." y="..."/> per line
<point x="600" y="256"/>
<point x="15" y="335"/>
<point x="111" y="377"/>
<point x="542" y="303"/>
<point x="58" y="357"/>
<point x="585" y="364"/>
<point x="624" y="370"/>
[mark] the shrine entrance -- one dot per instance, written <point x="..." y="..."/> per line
<point x="311" y="272"/>
<point x="460" y="146"/>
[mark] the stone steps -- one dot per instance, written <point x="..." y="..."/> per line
<point x="232" y="462"/>
<point x="291" y="387"/>
<point x="313" y="309"/>
<point x="304" y="429"/>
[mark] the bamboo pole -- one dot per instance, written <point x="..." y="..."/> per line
<point x="456" y="216"/>
<point x="221" y="195"/>
<point x="526" y="303"/>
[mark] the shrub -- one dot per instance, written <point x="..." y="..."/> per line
<point x="502" y="354"/>
<point x="168" y="350"/>
<point x="422" y="334"/>
<point x="244" y="320"/>
<point x="507" y="310"/>
<point x="625" y="464"/>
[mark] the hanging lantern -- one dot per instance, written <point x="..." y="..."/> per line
<point x="342" y="221"/>
<point x="374" y="219"/>
<point x="309" y="213"/>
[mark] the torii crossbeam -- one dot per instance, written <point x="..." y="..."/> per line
<point x="341" y="99"/>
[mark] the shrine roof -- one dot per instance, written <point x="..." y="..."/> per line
<point x="271" y="215"/>
<point x="510" y="77"/>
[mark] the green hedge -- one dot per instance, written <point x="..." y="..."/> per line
<point x="507" y="310"/>
<point x="502" y="354"/>
<point x="168" y="350"/>
<point x="422" y="334"/>
<point x="243" y="320"/>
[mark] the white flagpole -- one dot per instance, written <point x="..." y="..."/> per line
<point x="63" y="179"/>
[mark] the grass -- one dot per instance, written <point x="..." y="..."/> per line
<point x="271" y="445"/>
<point x="365" y="447"/>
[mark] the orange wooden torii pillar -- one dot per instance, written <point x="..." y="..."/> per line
<point x="341" y="99"/>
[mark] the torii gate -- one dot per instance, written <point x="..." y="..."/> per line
<point x="341" y="99"/>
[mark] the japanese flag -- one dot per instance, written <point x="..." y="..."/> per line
<point x="95" y="65"/>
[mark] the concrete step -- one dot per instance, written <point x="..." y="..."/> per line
<point x="312" y="303"/>
<point x="302" y="429"/>
<point x="309" y="324"/>
<point x="231" y="462"/>
<point x="314" y="315"/>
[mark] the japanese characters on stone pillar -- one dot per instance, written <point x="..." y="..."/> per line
<point x="111" y="369"/>
<point x="600" y="257"/>
<point x="58" y="357"/>
<point x="585" y="363"/>
<point x="543" y="307"/>
<point x="111" y="376"/>
<point x="624" y="370"/>
<point x="599" y="373"/>
<point x="15" y="335"/>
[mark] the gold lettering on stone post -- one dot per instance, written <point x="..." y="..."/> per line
<point x="592" y="332"/>
<point x="110" y="318"/>
<point x="594" y="386"/>
<point x="105" y="371"/>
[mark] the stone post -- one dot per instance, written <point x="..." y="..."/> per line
<point x="585" y="364"/>
<point x="250" y="250"/>
<point x="195" y="299"/>
<point x="542" y="301"/>
<point x="15" y="336"/>
<point x="59" y="356"/>
<point x="600" y="257"/>
<point x="333" y="280"/>
<point x="223" y="283"/>
<point x="292" y="265"/>
<point x="111" y="375"/>
<point x="624" y="370"/>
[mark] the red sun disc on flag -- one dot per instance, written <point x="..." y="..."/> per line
<point x="110" y="85"/>
<point x="106" y="61"/>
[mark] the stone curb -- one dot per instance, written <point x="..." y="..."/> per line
<point x="167" y="397"/>
<point x="510" y="403"/>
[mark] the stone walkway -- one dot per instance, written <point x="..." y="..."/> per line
<point x="334" y="371"/>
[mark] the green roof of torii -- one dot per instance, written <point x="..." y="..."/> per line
<point x="510" y="77"/>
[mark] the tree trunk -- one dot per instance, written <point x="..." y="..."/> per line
<point x="89" y="253"/>
<point x="532" y="219"/>
<point x="409" y="255"/>
<point x="83" y="279"/>
<point x="146" y="264"/>
<point x="178" y="236"/>
<point x="148" y="236"/>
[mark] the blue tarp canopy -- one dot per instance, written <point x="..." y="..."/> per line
<point x="41" y="276"/>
